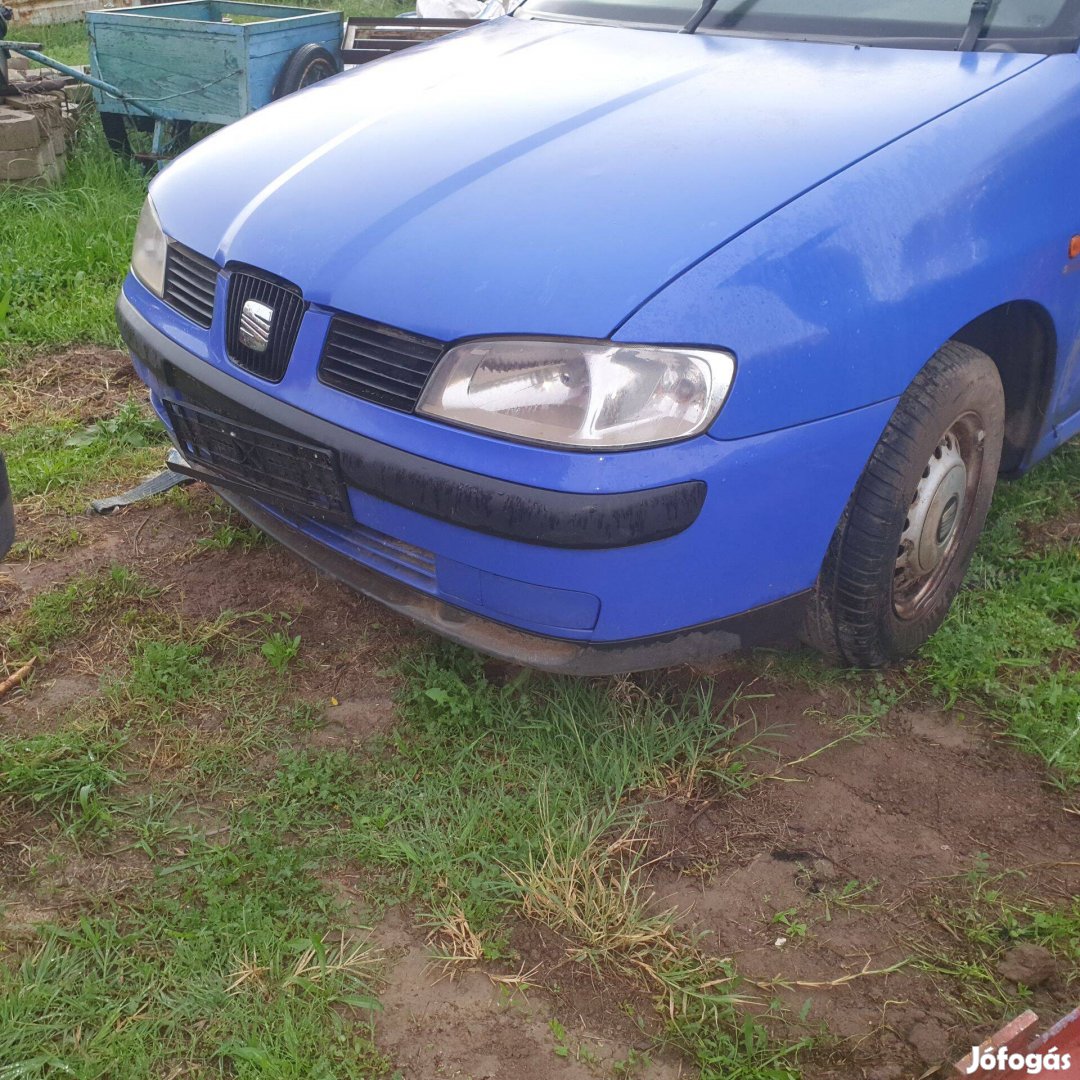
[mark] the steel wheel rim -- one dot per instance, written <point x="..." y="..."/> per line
<point x="938" y="516"/>
<point x="315" y="72"/>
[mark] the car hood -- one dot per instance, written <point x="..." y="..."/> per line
<point x="532" y="176"/>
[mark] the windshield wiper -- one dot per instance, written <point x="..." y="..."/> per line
<point x="980" y="12"/>
<point x="702" y="14"/>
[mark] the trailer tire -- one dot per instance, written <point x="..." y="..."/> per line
<point x="130" y="136"/>
<point x="309" y="64"/>
<point x="116" y="127"/>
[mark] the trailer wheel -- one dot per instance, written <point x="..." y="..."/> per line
<point x="309" y="64"/>
<point x="132" y="136"/>
<point x="118" y="129"/>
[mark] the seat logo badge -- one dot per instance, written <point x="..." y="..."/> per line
<point x="255" y="320"/>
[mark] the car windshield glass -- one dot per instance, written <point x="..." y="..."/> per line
<point x="1020" y="25"/>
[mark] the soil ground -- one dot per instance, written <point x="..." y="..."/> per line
<point x="843" y="885"/>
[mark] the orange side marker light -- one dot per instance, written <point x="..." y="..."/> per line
<point x="1074" y="247"/>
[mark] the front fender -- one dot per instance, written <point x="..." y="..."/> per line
<point x="838" y="299"/>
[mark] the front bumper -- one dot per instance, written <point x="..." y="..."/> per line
<point x="769" y="624"/>
<point x="590" y="581"/>
<point x="7" y="512"/>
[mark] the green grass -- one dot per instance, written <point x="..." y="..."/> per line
<point x="224" y="953"/>
<point x="230" y="534"/>
<point x="75" y="610"/>
<point x="169" y="671"/>
<point x="70" y="774"/>
<point x="986" y="915"/>
<point x="202" y="700"/>
<point x="742" y="1053"/>
<point x="280" y="649"/>
<point x="220" y="963"/>
<point x="465" y="786"/>
<point x="64" y="251"/>
<point x="66" y="42"/>
<point x="60" y="461"/>
<point x="227" y="952"/>
<point x="489" y="801"/>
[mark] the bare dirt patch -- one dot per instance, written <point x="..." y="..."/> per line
<point x="480" y="1026"/>
<point x="832" y="872"/>
<point x="83" y="384"/>
<point x="45" y="703"/>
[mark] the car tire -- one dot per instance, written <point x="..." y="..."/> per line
<point x="306" y="66"/>
<point x="905" y="540"/>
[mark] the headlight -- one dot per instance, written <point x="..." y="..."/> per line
<point x="589" y="395"/>
<point x="148" y="254"/>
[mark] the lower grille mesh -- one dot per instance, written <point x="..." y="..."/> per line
<point x="386" y="554"/>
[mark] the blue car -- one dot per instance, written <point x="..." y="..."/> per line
<point x="616" y="334"/>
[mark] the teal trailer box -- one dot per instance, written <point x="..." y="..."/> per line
<point x="206" y="61"/>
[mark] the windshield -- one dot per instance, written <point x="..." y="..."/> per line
<point x="1040" y="26"/>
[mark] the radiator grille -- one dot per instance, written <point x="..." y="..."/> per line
<point x="377" y="363"/>
<point x="288" y="307"/>
<point x="190" y="281"/>
<point x="281" y="470"/>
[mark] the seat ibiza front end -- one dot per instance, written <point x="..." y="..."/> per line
<point x="616" y="334"/>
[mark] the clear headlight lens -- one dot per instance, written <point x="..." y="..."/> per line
<point x="148" y="254"/>
<point x="589" y="395"/>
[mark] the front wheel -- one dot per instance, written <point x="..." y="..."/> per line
<point x="903" y="545"/>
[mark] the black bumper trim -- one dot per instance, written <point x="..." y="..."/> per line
<point x="771" y="624"/>
<point x="514" y="511"/>
<point x="7" y="511"/>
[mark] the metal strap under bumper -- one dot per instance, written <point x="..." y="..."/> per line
<point x="471" y="500"/>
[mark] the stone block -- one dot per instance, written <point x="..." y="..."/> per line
<point x="25" y="164"/>
<point x="46" y="107"/>
<point x="19" y="130"/>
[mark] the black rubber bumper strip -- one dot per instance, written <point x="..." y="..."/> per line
<point x="772" y="624"/>
<point x="7" y="512"/>
<point x="486" y="504"/>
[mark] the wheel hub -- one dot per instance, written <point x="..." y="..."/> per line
<point x="934" y="514"/>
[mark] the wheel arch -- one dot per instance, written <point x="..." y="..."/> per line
<point x="1021" y="338"/>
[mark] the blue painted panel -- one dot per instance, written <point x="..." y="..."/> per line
<point x="842" y="296"/>
<point x="602" y="166"/>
